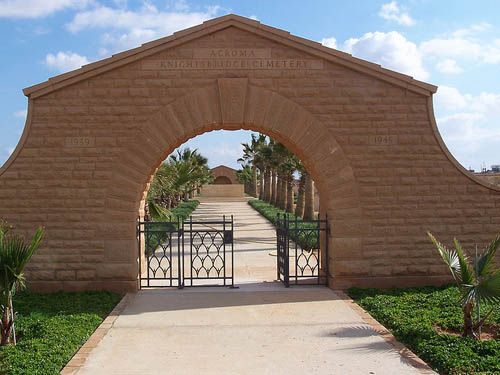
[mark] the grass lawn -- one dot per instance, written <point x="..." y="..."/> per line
<point x="51" y="327"/>
<point x="416" y="315"/>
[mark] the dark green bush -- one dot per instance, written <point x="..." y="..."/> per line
<point x="412" y="315"/>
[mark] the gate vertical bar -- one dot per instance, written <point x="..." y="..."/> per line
<point x="232" y="252"/>
<point x="318" y="241"/>
<point x="327" y="237"/>
<point x="179" y="268"/>
<point x="287" y="251"/>
<point x="191" y="248"/>
<point x="146" y="241"/>
<point x="224" y="246"/>
<point x="296" y="234"/>
<point x="170" y="243"/>
<point x="139" y="249"/>
<point x="278" y="223"/>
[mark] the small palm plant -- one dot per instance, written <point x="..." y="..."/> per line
<point x="15" y="253"/>
<point x="477" y="283"/>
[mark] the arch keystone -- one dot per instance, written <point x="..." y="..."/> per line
<point x="232" y="96"/>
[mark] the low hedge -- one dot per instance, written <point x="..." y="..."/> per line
<point x="305" y="239"/>
<point x="415" y="315"/>
<point x="50" y="328"/>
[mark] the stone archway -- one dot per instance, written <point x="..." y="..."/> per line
<point x="282" y="119"/>
<point x="94" y="138"/>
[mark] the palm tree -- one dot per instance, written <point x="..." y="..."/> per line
<point x="299" y="208"/>
<point x="477" y="283"/>
<point x="192" y="170"/>
<point x="245" y="176"/>
<point x="179" y="177"/>
<point x="250" y="152"/>
<point x="15" y="254"/>
<point x="309" y="198"/>
<point x="264" y="160"/>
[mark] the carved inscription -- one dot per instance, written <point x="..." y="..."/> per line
<point x="231" y="58"/>
<point x="262" y="64"/>
<point x="384" y="140"/>
<point x="79" y="142"/>
<point x="232" y="53"/>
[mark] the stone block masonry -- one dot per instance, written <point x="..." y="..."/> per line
<point x="95" y="137"/>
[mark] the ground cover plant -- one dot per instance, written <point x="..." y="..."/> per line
<point x="430" y="322"/>
<point x="304" y="239"/>
<point x="50" y="328"/>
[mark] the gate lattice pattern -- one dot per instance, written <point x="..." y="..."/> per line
<point x="299" y="246"/>
<point x="206" y="246"/>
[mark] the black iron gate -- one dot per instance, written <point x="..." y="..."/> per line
<point x="188" y="253"/>
<point x="301" y="250"/>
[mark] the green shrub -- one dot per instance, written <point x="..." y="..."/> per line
<point x="412" y="315"/>
<point x="307" y="240"/>
<point x="50" y="328"/>
<point x="177" y="217"/>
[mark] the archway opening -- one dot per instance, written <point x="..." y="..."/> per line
<point x="280" y="190"/>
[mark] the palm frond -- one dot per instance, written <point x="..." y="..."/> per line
<point x="450" y="257"/>
<point x="466" y="271"/>
<point x="15" y="253"/>
<point x="484" y="261"/>
<point x="489" y="288"/>
<point x="157" y="212"/>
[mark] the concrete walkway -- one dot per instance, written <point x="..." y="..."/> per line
<point x="254" y="240"/>
<point x="260" y="328"/>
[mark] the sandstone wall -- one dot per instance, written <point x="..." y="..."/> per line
<point x="222" y="191"/>
<point x="93" y="142"/>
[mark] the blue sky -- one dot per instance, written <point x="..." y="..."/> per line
<point x="452" y="44"/>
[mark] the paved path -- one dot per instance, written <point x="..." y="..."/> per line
<point x="261" y="328"/>
<point x="254" y="240"/>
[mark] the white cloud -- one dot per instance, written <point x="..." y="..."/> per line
<point x="329" y="42"/>
<point x="448" y="66"/>
<point x="391" y="11"/>
<point x="65" y="61"/>
<point x="472" y="30"/>
<point x="391" y="50"/>
<point x="469" y="124"/>
<point x="464" y="44"/>
<point x="37" y="8"/>
<point x="140" y="25"/>
<point x="21" y="113"/>
<point x="449" y="98"/>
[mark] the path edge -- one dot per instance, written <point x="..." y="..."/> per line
<point x="80" y="357"/>
<point x="412" y="359"/>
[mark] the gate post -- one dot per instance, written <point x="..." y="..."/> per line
<point x="277" y="246"/>
<point x="180" y="267"/>
<point x="287" y="252"/>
